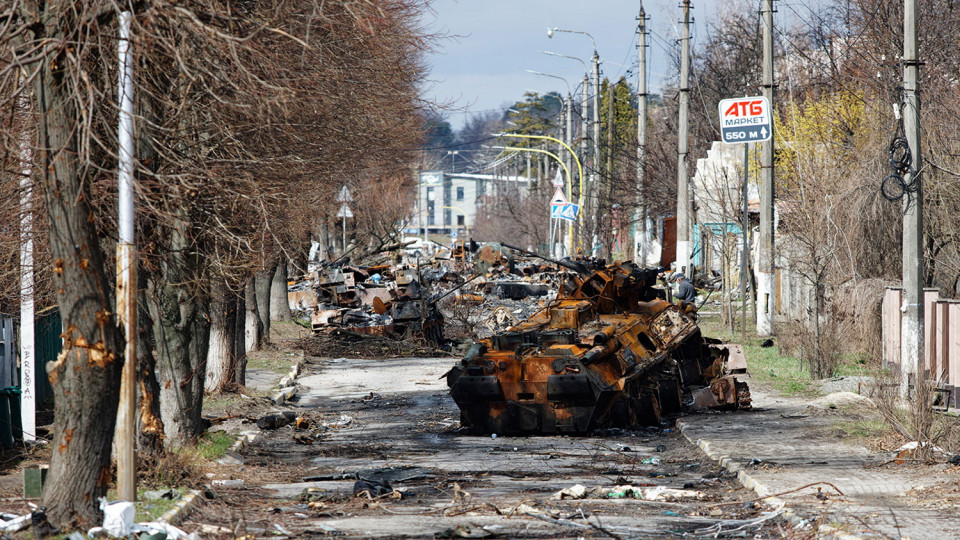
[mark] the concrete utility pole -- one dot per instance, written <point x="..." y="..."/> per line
<point x="911" y="338"/>
<point x="640" y="234"/>
<point x="569" y="140"/>
<point x="126" y="277"/>
<point x="584" y="148"/>
<point x="606" y="224"/>
<point x="745" y="252"/>
<point x="683" y="182"/>
<point x="765" y="270"/>
<point x="595" y="189"/>
<point x="28" y="395"/>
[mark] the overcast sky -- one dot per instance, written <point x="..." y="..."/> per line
<point x="482" y="64"/>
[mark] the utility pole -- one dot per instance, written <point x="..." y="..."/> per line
<point x="683" y="182"/>
<point x="640" y="240"/>
<point x="126" y="276"/>
<point x="607" y="222"/>
<point x="911" y="339"/>
<point x="584" y="147"/>
<point x="765" y="270"/>
<point x="569" y="140"/>
<point x="595" y="189"/>
<point x="28" y="395"/>
<point x="745" y="252"/>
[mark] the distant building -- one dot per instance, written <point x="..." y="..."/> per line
<point x="717" y="190"/>
<point x="448" y="203"/>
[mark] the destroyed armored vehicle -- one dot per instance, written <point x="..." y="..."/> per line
<point x="609" y="351"/>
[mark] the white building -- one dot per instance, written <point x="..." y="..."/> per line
<point x="447" y="202"/>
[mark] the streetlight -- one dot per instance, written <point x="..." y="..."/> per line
<point x="553" y="76"/>
<point x="453" y="160"/>
<point x="585" y="100"/>
<point x="596" y="95"/>
<point x="554" y="156"/>
<point x="550" y="32"/>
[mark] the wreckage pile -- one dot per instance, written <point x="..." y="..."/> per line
<point x="401" y="302"/>
<point x="608" y="351"/>
<point x="565" y="346"/>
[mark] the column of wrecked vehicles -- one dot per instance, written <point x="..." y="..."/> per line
<point x="599" y="345"/>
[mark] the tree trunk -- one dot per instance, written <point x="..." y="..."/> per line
<point x="251" y="323"/>
<point x="279" y="305"/>
<point x="263" y="283"/>
<point x="240" y="342"/>
<point x="149" y="425"/>
<point x="181" y="334"/>
<point x="222" y="353"/>
<point x="86" y="375"/>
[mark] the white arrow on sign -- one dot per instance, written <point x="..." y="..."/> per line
<point x="345" y="211"/>
<point x="569" y="212"/>
<point x="745" y="120"/>
<point x="558" y="198"/>
<point x="344" y="196"/>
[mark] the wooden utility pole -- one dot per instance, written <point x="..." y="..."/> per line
<point x="765" y="269"/>
<point x="641" y="235"/>
<point x="911" y="339"/>
<point x="683" y="181"/>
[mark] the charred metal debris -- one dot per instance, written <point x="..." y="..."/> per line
<point x="608" y="351"/>
<point x="563" y="346"/>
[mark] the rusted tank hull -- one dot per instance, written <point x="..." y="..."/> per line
<point x="609" y="353"/>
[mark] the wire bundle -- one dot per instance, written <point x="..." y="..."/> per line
<point x="894" y="186"/>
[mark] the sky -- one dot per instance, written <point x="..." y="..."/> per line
<point x="480" y="64"/>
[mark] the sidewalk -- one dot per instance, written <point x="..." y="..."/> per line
<point x="795" y="447"/>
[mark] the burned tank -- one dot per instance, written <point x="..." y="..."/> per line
<point x="609" y="351"/>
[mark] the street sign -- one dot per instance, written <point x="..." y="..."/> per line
<point x="745" y="120"/>
<point x="344" y="211"/>
<point x="558" y="198"/>
<point x="567" y="211"/>
<point x="344" y="195"/>
<point x="558" y="179"/>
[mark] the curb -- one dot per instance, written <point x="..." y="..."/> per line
<point x="194" y="498"/>
<point x="191" y="500"/>
<point x="758" y="487"/>
<point x="288" y="383"/>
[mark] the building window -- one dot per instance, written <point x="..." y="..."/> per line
<point x="460" y="221"/>
<point x="430" y="219"/>
<point x="430" y="194"/>
<point x="446" y="217"/>
<point x="460" y="193"/>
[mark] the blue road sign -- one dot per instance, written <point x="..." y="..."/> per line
<point x="568" y="212"/>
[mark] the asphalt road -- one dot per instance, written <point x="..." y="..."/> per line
<point x="369" y="415"/>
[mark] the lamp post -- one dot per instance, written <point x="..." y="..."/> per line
<point x="567" y="127"/>
<point x="453" y="159"/>
<point x="596" y="106"/>
<point x="584" y="122"/>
